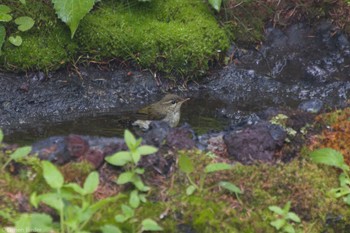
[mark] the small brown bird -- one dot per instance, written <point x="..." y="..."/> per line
<point x="168" y="109"/>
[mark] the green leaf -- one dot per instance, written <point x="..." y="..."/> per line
<point x="4" y="9"/>
<point x="34" y="200"/>
<point x="190" y="190"/>
<point x="216" y="4"/>
<point x="185" y="164"/>
<point x="53" y="200"/>
<point x="2" y="40"/>
<point x="134" y="200"/>
<point x="329" y="156"/>
<point x="16" y="41"/>
<point x="217" y="167"/>
<point x="147" y="150"/>
<point x="231" y="187"/>
<point x="276" y="209"/>
<point x="41" y="221"/>
<point x="288" y="228"/>
<point x="150" y="225"/>
<point x="279" y="223"/>
<point x="52" y="175"/>
<point x="135" y="157"/>
<point x="101" y="203"/>
<point x="91" y="183"/>
<point x="21" y="153"/>
<point x="293" y="216"/>
<point x="125" y="177"/>
<point x="120" y="218"/>
<point x="139" y="171"/>
<point x="5" y="17"/>
<point x="23" y="1"/>
<point x="137" y="181"/>
<point x="24" y="23"/>
<point x="23" y="222"/>
<point x="286" y="207"/>
<point x="347" y="199"/>
<point x="110" y="229"/>
<point x="72" y="11"/>
<point x="128" y="211"/>
<point x="142" y="198"/>
<point x="75" y="187"/>
<point x="129" y="139"/>
<point x="120" y="158"/>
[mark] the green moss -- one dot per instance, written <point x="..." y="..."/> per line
<point x="174" y="37"/>
<point x="40" y="51"/>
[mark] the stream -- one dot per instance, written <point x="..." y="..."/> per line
<point x="298" y="67"/>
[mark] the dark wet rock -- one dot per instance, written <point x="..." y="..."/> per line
<point x="312" y="106"/>
<point x="259" y="142"/>
<point x="157" y="133"/>
<point x="61" y="150"/>
<point x="181" y="138"/>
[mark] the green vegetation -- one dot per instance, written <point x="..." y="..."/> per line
<point x="283" y="218"/>
<point x="171" y="37"/>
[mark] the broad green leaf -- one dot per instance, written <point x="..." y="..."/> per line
<point x="2" y="40"/>
<point x="147" y="150"/>
<point x="139" y="171"/>
<point x="339" y="192"/>
<point x="120" y="158"/>
<point x="216" y="4"/>
<point x="217" y="167"/>
<point x="292" y="216"/>
<point x="53" y="200"/>
<point x="343" y="180"/>
<point x="190" y="190"/>
<point x="52" y="175"/>
<point x="23" y="1"/>
<point x="276" y="209"/>
<point x="185" y="164"/>
<point x="137" y="181"/>
<point x="75" y="187"/>
<point x="329" y="156"/>
<point x="288" y="228"/>
<point x="138" y="142"/>
<point x="278" y="224"/>
<point x="150" y="225"/>
<point x="24" y="23"/>
<point x="128" y="211"/>
<point x="110" y="229"/>
<point x="91" y="183"/>
<point x="4" y="9"/>
<point x="15" y="40"/>
<point x="120" y="218"/>
<point x="130" y="139"/>
<point x="142" y="198"/>
<point x="125" y="177"/>
<point x="134" y="200"/>
<point x="72" y="11"/>
<point x="41" y="221"/>
<point x="23" y="222"/>
<point x="21" y="153"/>
<point x="347" y="199"/>
<point x="135" y="157"/>
<point x="231" y="187"/>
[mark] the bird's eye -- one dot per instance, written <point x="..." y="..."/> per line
<point x="173" y="102"/>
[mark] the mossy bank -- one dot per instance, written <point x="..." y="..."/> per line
<point x="171" y="37"/>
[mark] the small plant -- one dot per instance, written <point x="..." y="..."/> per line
<point x="24" y="23"/>
<point x="72" y="203"/>
<point x="17" y="155"/>
<point x="284" y="218"/>
<point x="334" y="158"/>
<point x="129" y="160"/>
<point x="186" y="166"/>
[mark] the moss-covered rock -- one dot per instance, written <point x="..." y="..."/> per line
<point x="174" y="37"/>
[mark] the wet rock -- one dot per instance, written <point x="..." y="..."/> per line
<point x="312" y="106"/>
<point x="157" y="133"/>
<point x="253" y="143"/>
<point x="61" y="150"/>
